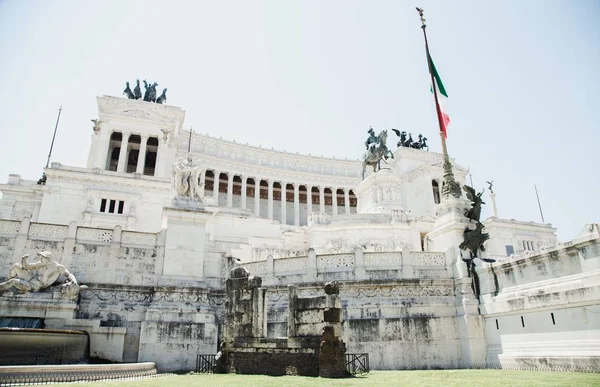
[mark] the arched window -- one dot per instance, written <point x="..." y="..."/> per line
<point x="436" y="191"/>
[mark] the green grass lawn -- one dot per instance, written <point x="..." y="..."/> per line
<point x="459" y="378"/>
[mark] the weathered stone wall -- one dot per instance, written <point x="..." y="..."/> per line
<point x="401" y="323"/>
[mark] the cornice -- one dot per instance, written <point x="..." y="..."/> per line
<point x="98" y="176"/>
<point x="497" y="223"/>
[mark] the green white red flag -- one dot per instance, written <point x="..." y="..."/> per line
<point x="442" y="96"/>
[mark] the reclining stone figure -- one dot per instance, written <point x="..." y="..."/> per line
<point x="36" y="276"/>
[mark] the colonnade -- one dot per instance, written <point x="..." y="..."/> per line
<point x="126" y="147"/>
<point x="315" y="195"/>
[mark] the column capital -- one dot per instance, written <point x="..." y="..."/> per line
<point x="146" y="136"/>
<point x="126" y="134"/>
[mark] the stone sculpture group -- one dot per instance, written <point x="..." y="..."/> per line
<point x="36" y="276"/>
<point x="186" y="179"/>
<point x="149" y="93"/>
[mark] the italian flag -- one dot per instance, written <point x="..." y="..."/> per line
<point x="442" y="96"/>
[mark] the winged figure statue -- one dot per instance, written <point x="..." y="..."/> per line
<point x="474" y="213"/>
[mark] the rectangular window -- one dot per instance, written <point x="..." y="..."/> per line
<point x="111" y="207"/>
<point x="103" y="205"/>
<point x="497" y="327"/>
<point x="553" y="321"/>
<point x="121" y="204"/>
<point x="510" y="250"/>
<point x="522" y="322"/>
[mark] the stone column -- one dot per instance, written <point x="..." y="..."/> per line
<point x="244" y="188"/>
<point x="257" y="197"/>
<point x="216" y="175"/>
<point x="283" y="202"/>
<point x="347" y="200"/>
<point x="296" y="205"/>
<point x="123" y="152"/>
<point x="230" y="189"/>
<point x="202" y="181"/>
<point x="308" y="200"/>
<point x="270" y="198"/>
<point x="322" y="198"/>
<point x="334" y="200"/>
<point x="141" y="161"/>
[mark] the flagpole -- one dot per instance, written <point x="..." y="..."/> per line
<point x="450" y="187"/>
<point x="539" y="204"/>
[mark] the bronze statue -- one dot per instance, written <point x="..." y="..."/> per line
<point x="152" y="95"/>
<point x="163" y="97"/>
<point x="376" y="151"/>
<point x="473" y="213"/>
<point x="146" y="91"/>
<point x="473" y="240"/>
<point x="128" y="91"/>
<point x="137" y="91"/>
<point x="490" y="185"/>
<point x="372" y="140"/>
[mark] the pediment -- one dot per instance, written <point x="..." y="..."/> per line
<point x="137" y="113"/>
<point x="137" y="110"/>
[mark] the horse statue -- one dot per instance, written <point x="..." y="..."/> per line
<point x="376" y="152"/>
<point x="128" y="91"/>
<point x="418" y="144"/>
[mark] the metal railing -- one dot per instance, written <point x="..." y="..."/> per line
<point x="357" y="363"/>
<point x="206" y="364"/>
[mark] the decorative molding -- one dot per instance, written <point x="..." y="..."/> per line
<point x="422" y="258"/>
<point x="9" y="227"/>
<point x="94" y="234"/>
<point x="48" y="231"/>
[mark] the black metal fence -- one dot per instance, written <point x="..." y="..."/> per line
<point x="357" y="363"/>
<point x="206" y="364"/>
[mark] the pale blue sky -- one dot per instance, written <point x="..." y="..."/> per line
<point x="311" y="76"/>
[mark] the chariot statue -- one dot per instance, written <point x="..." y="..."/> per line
<point x="36" y="276"/>
<point x="376" y="151"/>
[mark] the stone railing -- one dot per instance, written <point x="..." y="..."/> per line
<point x="565" y="260"/>
<point x="356" y="265"/>
<point x="9" y="227"/>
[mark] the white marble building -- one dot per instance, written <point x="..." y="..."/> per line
<point x="155" y="269"/>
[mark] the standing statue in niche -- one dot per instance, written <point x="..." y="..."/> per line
<point x="36" y="276"/>
<point x="163" y="97"/>
<point x="186" y="179"/>
<point x="137" y="91"/>
<point x="128" y="91"/>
